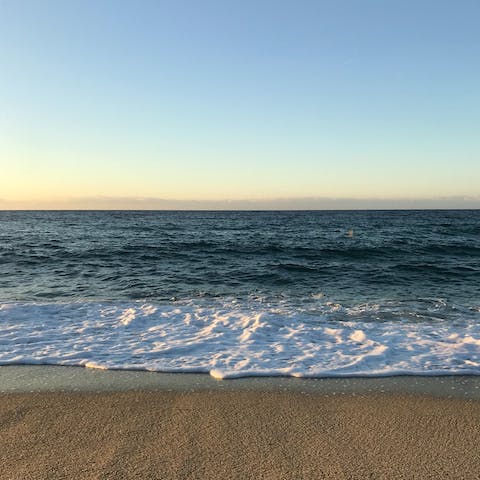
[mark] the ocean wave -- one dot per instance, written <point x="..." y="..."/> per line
<point x="232" y="337"/>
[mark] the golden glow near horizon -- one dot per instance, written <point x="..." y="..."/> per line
<point x="33" y="180"/>
<point x="194" y="184"/>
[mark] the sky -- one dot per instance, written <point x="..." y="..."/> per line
<point x="239" y="104"/>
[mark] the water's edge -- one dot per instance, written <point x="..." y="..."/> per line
<point x="41" y="378"/>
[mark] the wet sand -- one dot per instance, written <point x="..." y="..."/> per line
<point x="211" y="434"/>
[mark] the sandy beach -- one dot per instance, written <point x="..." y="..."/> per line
<point x="237" y="435"/>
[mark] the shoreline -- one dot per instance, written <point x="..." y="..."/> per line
<point x="53" y="378"/>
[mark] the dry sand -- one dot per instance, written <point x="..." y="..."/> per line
<point x="241" y="435"/>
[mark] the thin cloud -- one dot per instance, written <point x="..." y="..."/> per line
<point x="308" y="203"/>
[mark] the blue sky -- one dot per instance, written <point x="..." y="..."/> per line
<point x="238" y="100"/>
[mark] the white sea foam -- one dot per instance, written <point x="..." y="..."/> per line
<point x="232" y="339"/>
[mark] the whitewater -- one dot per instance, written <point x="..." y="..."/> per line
<point x="227" y="338"/>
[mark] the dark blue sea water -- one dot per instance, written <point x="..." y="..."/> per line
<point x="297" y="270"/>
<point x="349" y="256"/>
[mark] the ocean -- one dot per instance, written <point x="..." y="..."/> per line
<point x="301" y="293"/>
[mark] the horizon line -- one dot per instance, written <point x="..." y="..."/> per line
<point x="399" y="209"/>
